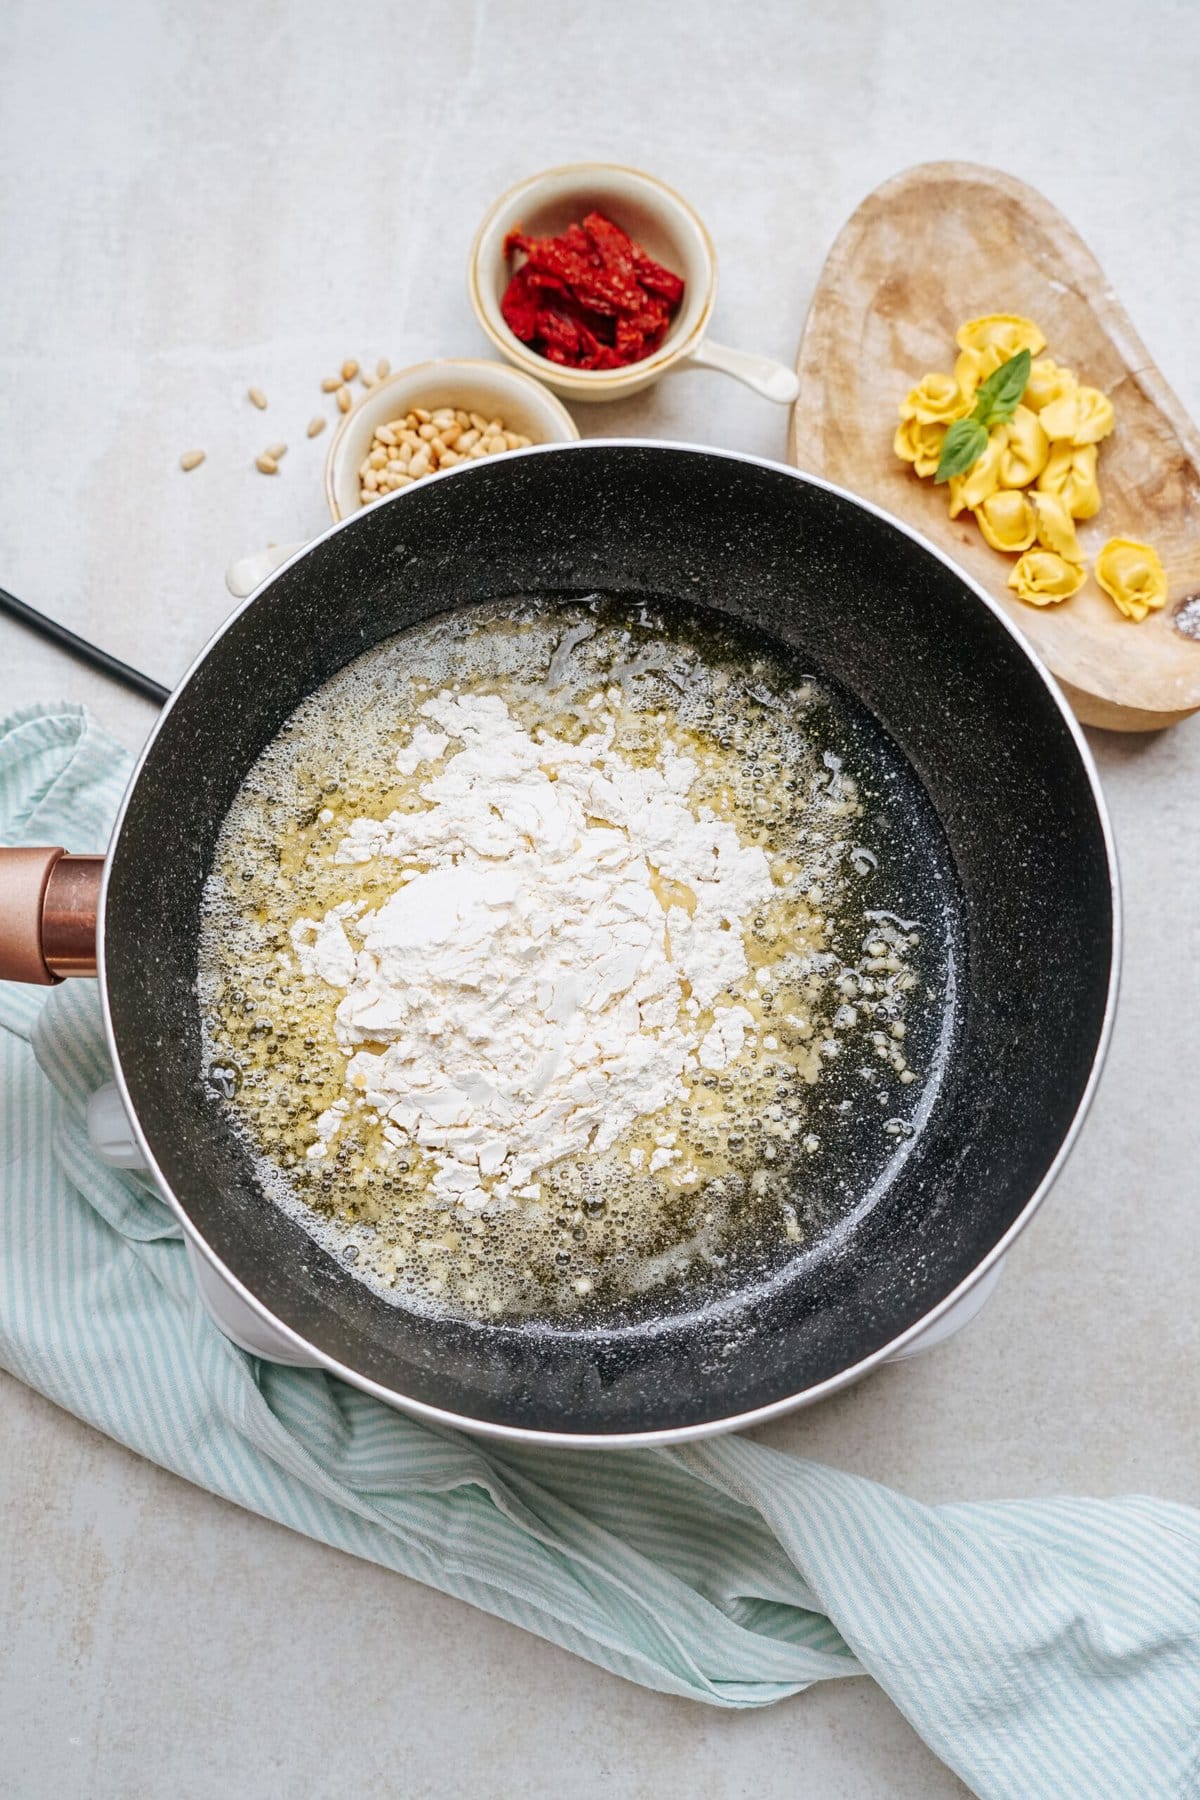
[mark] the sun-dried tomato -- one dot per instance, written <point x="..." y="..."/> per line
<point x="590" y="298"/>
<point x="520" y="307"/>
<point x="657" y="280"/>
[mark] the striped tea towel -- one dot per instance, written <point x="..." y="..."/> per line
<point x="1042" y="1648"/>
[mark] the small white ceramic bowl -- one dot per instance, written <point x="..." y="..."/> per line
<point x="666" y="226"/>
<point x="472" y="385"/>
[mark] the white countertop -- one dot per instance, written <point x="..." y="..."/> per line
<point x="196" y="198"/>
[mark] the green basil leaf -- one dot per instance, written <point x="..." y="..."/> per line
<point x="963" y="444"/>
<point x="997" y="398"/>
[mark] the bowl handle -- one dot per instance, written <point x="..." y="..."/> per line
<point x="49" y="904"/>
<point x="773" y="380"/>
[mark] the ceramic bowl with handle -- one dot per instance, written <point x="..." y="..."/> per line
<point x="663" y="223"/>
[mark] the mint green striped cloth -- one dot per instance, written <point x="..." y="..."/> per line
<point x="1040" y="1647"/>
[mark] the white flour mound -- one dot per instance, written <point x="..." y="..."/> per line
<point x="532" y="997"/>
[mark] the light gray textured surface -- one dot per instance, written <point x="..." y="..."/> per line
<point x="192" y="199"/>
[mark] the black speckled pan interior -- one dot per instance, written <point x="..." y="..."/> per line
<point x="1000" y="801"/>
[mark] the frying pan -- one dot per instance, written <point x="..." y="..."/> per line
<point x="1004" y="796"/>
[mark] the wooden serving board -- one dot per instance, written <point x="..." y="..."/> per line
<point x="946" y="242"/>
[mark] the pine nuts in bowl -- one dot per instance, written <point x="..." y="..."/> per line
<point x="433" y="415"/>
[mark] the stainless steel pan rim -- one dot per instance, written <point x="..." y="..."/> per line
<point x="845" y="1377"/>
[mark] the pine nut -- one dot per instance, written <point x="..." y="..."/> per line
<point x="368" y="380"/>
<point x="405" y="450"/>
<point x="344" y="400"/>
<point x="277" y="452"/>
<point x="266" y="465"/>
<point x="191" y="459"/>
<point x="316" y="426"/>
<point x="383" y="368"/>
<point x="349" y="369"/>
<point x="257" y="398"/>
<point x="331" y="384"/>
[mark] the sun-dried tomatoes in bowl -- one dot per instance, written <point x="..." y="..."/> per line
<point x="593" y="277"/>
<point x="591" y="298"/>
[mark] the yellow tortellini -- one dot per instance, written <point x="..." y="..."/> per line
<point x="970" y="368"/>
<point x="919" y="444"/>
<point x="936" y="400"/>
<point x="1096" y="416"/>
<point x="1056" y="527"/>
<point x="1007" y="520"/>
<point x="1132" y="576"/>
<point x="1061" y="417"/>
<point x="1025" y="451"/>
<point x="1044" y="578"/>
<point x="1082" y="416"/>
<point x="1070" y="472"/>
<point x="1036" y="474"/>
<point x="982" y="478"/>
<point x="1047" y="382"/>
<point x="994" y="338"/>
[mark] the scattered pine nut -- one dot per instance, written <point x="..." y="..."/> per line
<point x="266" y="465"/>
<point x="331" y="384"/>
<point x="257" y="398"/>
<point x="344" y="400"/>
<point x="316" y="426"/>
<point x="349" y="369"/>
<point x="276" y="452"/>
<point x="191" y="459"/>
<point x="383" y="368"/>
<point x="368" y="380"/>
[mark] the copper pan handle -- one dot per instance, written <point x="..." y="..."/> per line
<point x="49" y="904"/>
